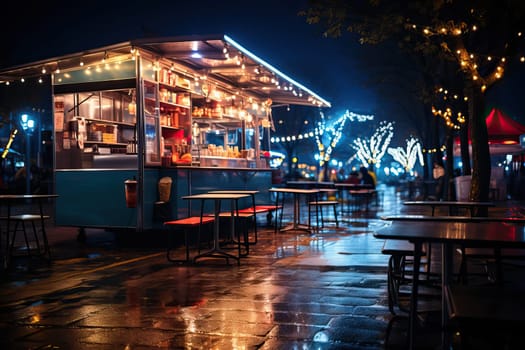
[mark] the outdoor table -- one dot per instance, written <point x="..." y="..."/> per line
<point x="495" y="235"/>
<point x="217" y="198"/>
<point x="252" y="193"/>
<point x="297" y="192"/>
<point x="471" y="205"/>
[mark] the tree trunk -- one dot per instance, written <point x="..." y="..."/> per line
<point x="449" y="166"/>
<point x="465" y="152"/>
<point x="481" y="166"/>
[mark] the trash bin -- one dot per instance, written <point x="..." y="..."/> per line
<point x="165" y="189"/>
<point x="462" y="184"/>
<point x="130" y="187"/>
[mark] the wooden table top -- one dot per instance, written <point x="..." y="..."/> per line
<point x="469" y="233"/>
<point x="451" y="203"/>
<point x="294" y="190"/>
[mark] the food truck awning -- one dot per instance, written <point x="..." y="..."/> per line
<point x="218" y="57"/>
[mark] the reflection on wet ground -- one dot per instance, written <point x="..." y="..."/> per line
<point x="325" y="290"/>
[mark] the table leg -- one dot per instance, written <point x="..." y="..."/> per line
<point x="254" y="221"/>
<point x="412" y="318"/>
<point x="296" y="225"/>
<point x="216" y="251"/>
<point x="46" y="251"/>
<point x="446" y="273"/>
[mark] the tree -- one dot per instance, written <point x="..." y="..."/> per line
<point x="477" y="38"/>
<point x="409" y="156"/>
<point x="328" y="135"/>
<point x="372" y="150"/>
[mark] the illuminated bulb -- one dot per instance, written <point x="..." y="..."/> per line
<point x="40" y="80"/>
<point x="522" y="59"/>
<point x="44" y="70"/>
<point x="22" y="80"/>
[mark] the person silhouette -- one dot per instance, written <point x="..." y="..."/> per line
<point x="366" y="178"/>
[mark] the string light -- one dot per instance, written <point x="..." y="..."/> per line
<point x="350" y="115"/>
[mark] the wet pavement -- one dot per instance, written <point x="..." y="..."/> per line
<point x="295" y="290"/>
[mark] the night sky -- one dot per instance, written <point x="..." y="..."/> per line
<point x="340" y="70"/>
<point x="267" y="28"/>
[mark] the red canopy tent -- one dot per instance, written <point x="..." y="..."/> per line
<point x="503" y="129"/>
<point x="504" y="134"/>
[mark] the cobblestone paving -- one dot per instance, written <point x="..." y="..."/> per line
<point x="295" y="290"/>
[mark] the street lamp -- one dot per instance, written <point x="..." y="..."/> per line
<point x="28" y="125"/>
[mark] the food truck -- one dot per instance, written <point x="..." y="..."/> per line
<point x="137" y="125"/>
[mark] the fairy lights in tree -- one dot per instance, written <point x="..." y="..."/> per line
<point x="452" y="119"/>
<point x="371" y="151"/>
<point x="331" y="134"/>
<point x="484" y="69"/>
<point x="408" y="157"/>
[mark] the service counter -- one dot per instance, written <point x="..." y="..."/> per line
<point x="96" y="197"/>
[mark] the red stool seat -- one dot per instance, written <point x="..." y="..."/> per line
<point x="190" y="221"/>
<point x="186" y="224"/>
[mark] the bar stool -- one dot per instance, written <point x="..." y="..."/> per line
<point x="186" y="224"/>
<point x="319" y="205"/>
<point x="401" y="254"/>
<point x="19" y="221"/>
